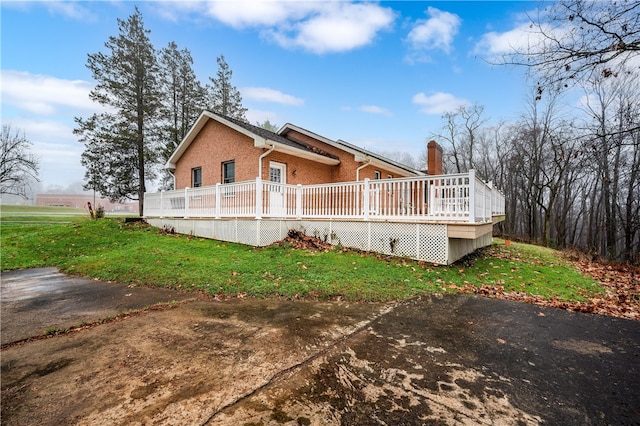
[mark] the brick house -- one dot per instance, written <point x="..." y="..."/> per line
<point x="238" y="182"/>
<point x="220" y="149"/>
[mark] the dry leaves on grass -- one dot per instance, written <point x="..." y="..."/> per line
<point x="300" y="241"/>
<point x="621" y="297"/>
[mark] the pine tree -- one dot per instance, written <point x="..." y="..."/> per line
<point x="225" y="98"/>
<point x="120" y="146"/>
<point x="268" y="125"/>
<point x="184" y="98"/>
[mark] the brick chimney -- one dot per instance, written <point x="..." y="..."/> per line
<point x="434" y="158"/>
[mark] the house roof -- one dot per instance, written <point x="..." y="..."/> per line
<point x="360" y="154"/>
<point x="262" y="138"/>
<point x="275" y="137"/>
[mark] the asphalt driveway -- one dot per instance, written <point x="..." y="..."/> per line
<point x="431" y="360"/>
<point x="43" y="298"/>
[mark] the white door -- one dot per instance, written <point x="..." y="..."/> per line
<point x="277" y="175"/>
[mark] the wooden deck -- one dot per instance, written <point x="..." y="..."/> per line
<point x="437" y="219"/>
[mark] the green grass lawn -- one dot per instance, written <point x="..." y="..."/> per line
<point x="108" y="249"/>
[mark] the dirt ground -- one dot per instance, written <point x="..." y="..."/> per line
<point x="440" y="360"/>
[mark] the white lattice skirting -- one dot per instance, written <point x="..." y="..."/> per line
<point x="420" y="241"/>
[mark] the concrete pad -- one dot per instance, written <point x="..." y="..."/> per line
<point x="432" y="360"/>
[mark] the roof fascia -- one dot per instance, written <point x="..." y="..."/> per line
<point x="316" y="136"/>
<point x="286" y="149"/>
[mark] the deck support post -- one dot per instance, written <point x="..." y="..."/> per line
<point x="161" y="204"/>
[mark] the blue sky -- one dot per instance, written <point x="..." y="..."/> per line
<point x="377" y="74"/>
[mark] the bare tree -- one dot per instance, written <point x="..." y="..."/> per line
<point x="571" y="40"/>
<point x="18" y="165"/>
<point x="612" y="130"/>
<point x="461" y="132"/>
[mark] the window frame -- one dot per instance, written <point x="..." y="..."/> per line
<point x="194" y="183"/>
<point x="225" y="179"/>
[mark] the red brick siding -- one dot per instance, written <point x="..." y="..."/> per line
<point x="306" y="171"/>
<point x="346" y="170"/>
<point x="217" y="143"/>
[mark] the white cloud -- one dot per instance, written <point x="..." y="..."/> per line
<point x="44" y="95"/>
<point x="337" y="27"/>
<point x="316" y="26"/>
<point x="435" y="33"/>
<point x="522" y="38"/>
<point x="264" y="94"/>
<point x="495" y="43"/>
<point x="438" y="103"/>
<point x="373" y="109"/>
<point x="266" y="13"/>
<point x="70" y="9"/>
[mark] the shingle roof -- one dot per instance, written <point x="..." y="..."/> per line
<point x="269" y="135"/>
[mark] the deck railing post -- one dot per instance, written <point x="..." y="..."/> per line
<point x="484" y="202"/>
<point x="366" y="199"/>
<point x="493" y="195"/>
<point x="161" y="204"/>
<point x="218" y="208"/>
<point x="472" y="196"/>
<point x="258" y="197"/>
<point x="299" y="201"/>
<point x="432" y="207"/>
<point x="186" y="202"/>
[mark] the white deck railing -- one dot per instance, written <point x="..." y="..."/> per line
<point x="459" y="198"/>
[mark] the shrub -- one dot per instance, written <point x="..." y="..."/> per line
<point x="99" y="212"/>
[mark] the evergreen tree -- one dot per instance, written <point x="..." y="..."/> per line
<point x="225" y="98"/>
<point x="268" y="125"/>
<point x="183" y="100"/>
<point x="120" y="146"/>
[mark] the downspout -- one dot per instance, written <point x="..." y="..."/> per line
<point x="362" y="167"/>
<point x="264" y="154"/>
<point x="173" y="176"/>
